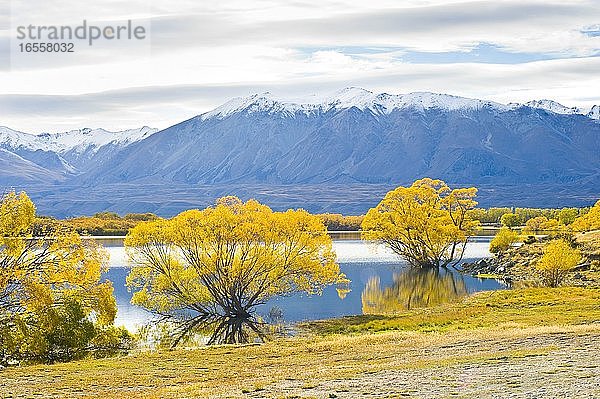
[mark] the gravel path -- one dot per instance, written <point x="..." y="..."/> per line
<point x="566" y="366"/>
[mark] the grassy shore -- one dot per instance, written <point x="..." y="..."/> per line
<point x="344" y="357"/>
<point x="488" y="309"/>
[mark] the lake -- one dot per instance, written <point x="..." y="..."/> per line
<point x="380" y="282"/>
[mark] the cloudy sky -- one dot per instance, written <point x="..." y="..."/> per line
<point x="198" y="54"/>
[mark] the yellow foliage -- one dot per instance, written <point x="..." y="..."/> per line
<point x="104" y="224"/>
<point x="339" y="222"/>
<point x="216" y="265"/>
<point x="542" y="223"/>
<point x="412" y="289"/>
<point x="558" y="258"/>
<point x="510" y="220"/>
<point x="427" y="223"/>
<point x="52" y="303"/>
<point x="38" y="273"/>
<point x="503" y="240"/>
<point x="589" y="221"/>
<point x="536" y="224"/>
<point x="17" y="213"/>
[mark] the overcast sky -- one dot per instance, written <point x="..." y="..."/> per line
<point x="198" y="54"/>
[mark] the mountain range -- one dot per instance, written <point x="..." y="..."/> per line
<point x="333" y="153"/>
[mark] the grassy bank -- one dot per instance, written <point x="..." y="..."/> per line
<point x="511" y="308"/>
<point x="483" y="329"/>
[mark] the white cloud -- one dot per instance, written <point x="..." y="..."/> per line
<point x="162" y="106"/>
<point x="205" y="52"/>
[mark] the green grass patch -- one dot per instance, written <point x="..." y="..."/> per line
<point x="518" y="307"/>
<point x="489" y="275"/>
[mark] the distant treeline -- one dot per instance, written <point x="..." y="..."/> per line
<point x="339" y="222"/>
<point x="112" y="224"/>
<point x="101" y="224"/>
<point x="493" y="216"/>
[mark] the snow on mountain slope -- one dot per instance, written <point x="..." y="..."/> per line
<point x="553" y="106"/>
<point x="349" y="97"/>
<point x="386" y="103"/>
<point x="78" y="140"/>
<point x="557" y="108"/>
<point x="378" y="103"/>
<point x="360" y="137"/>
<point x="68" y="153"/>
<point x="594" y="112"/>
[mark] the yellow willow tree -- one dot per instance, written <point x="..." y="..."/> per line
<point x="590" y="221"/>
<point x="556" y="262"/>
<point x="40" y="277"/>
<point x="427" y="224"/>
<point x="207" y="270"/>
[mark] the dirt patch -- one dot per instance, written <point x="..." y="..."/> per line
<point x="548" y="366"/>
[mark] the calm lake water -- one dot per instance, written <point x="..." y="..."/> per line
<point x="380" y="282"/>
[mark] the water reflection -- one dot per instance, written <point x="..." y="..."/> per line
<point x="343" y="286"/>
<point x="363" y="263"/>
<point x="412" y="288"/>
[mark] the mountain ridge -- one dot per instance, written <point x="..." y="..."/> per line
<point x="351" y="138"/>
<point x="379" y="102"/>
<point x="67" y="153"/>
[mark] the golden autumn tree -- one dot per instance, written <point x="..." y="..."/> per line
<point x="208" y="270"/>
<point x="538" y="223"/>
<point x="427" y="224"/>
<point x="503" y="240"/>
<point x="556" y="262"/>
<point x="43" y="282"/>
<point x="590" y="221"/>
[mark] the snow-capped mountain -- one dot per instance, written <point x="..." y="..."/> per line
<point x="75" y="140"/>
<point x="378" y="103"/>
<point x="558" y="108"/>
<point x="553" y="106"/>
<point x="362" y="99"/>
<point x="363" y="137"/>
<point x="349" y="141"/>
<point x="67" y="153"/>
<point x="594" y="112"/>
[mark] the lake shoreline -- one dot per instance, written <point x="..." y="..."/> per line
<point x="516" y="342"/>
<point x="364" y="263"/>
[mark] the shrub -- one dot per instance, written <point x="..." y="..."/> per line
<point x="52" y="297"/>
<point x="338" y="222"/>
<point x="59" y="334"/>
<point x="427" y="223"/>
<point x="564" y="235"/>
<point x="568" y="215"/>
<point x="140" y="217"/>
<point x="503" y="240"/>
<point x="536" y="224"/>
<point x="211" y="269"/>
<point x="551" y="225"/>
<point x="111" y="341"/>
<point x="510" y="220"/>
<point x="558" y="259"/>
<point x="107" y="215"/>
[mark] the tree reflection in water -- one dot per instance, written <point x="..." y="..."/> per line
<point x="343" y="286"/>
<point x="412" y="288"/>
